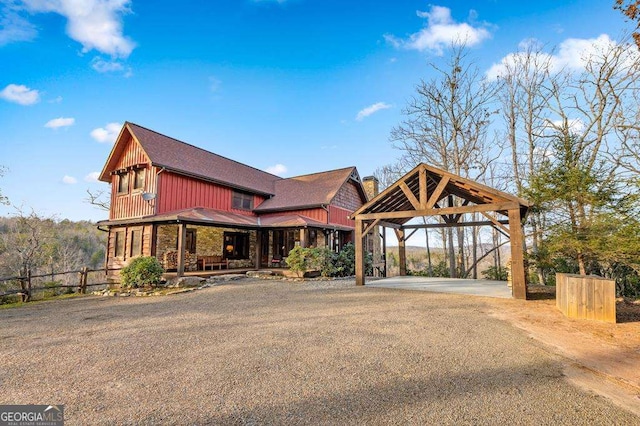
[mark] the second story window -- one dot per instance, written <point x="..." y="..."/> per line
<point x="242" y="201"/>
<point x="138" y="179"/>
<point x="123" y="183"/>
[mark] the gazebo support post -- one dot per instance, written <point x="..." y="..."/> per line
<point x="519" y="283"/>
<point x="359" y="252"/>
<point x="384" y="249"/>
<point x="402" y="252"/>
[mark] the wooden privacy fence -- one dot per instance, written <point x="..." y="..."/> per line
<point x="586" y="297"/>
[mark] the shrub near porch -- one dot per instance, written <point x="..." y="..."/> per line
<point x="326" y="262"/>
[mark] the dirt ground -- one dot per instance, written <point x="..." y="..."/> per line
<point x="271" y="352"/>
<point x="603" y="357"/>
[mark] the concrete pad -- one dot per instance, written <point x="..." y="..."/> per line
<point x="446" y="285"/>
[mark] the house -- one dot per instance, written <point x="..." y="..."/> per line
<point x="195" y="210"/>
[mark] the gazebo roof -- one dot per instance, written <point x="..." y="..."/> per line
<point x="421" y="193"/>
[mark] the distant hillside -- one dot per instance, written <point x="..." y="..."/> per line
<point x="417" y="258"/>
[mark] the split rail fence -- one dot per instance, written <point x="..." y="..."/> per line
<point x="27" y="286"/>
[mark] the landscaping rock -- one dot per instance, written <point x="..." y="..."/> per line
<point x="185" y="282"/>
<point x="259" y="274"/>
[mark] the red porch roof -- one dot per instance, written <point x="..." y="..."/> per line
<point x="205" y="216"/>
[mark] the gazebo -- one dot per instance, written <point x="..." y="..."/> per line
<point x="429" y="191"/>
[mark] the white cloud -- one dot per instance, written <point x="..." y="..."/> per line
<point x="573" y="52"/>
<point x="13" y="26"/>
<point x="20" y="94"/>
<point x="101" y="65"/>
<point x="92" y="177"/>
<point x="440" y="32"/>
<point x="371" y="109"/>
<point x="96" y="24"/>
<point x="60" y="122"/>
<point x="571" y="55"/>
<point x="107" y="134"/>
<point x="574" y="126"/>
<point x="278" y="169"/>
<point x="69" y="180"/>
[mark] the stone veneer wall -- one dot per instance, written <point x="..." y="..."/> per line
<point x="209" y="242"/>
<point x="166" y="240"/>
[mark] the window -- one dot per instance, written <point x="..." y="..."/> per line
<point x="236" y="245"/>
<point x="242" y="201"/>
<point x="136" y="242"/>
<point x="119" y="243"/>
<point x="138" y="179"/>
<point x="284" y="241"/>
<point x="123" y="183"/>
<point x="191" y="240"/>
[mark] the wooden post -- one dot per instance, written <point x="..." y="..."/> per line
<point x="258" y="248"/>
<point x="452" y="252"/>
<point x="182" y="242"/>
<point x="402" y="253"/>
<point x="519" y="284"/>
<point x="154" y="240"/>
<point x="359" y="253"/>
<point x="82" y="282"/>
<point x="384" y="249"/>
<point x="303" y="237"/>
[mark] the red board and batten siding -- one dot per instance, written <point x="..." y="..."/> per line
<point x="131" y="155"/>
<point x="318" y="214"/>
<point x="131" y="204"/>
<point x="179" y="192"/>
<point x="338" y="216"/>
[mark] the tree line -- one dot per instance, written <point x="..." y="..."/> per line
<point x="565" y="138"/>
<point x="39" y="245"/>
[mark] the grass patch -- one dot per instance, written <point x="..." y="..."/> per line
<point x="44" y="299"/>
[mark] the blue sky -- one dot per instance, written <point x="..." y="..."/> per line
<point x="289" y="86"/>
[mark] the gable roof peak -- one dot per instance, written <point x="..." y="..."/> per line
<point x="199" y="148"/>
<point x="189" y="160"/>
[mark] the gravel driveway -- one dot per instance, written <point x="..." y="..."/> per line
<point x="271" y="352"/>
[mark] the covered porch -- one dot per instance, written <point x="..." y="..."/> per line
<point x="209" y="242"/>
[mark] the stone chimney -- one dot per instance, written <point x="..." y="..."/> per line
<point x="371" y="186"/>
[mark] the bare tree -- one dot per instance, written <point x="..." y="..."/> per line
<point x="99" y="199"/>
<point x="446" y="125"/>
<point x="524" y="98"/>
<point x="23" y="245"/>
